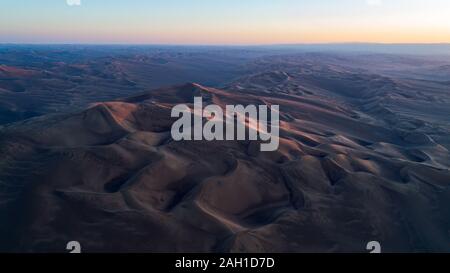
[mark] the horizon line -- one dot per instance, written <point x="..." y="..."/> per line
<point x="228" y="45"/>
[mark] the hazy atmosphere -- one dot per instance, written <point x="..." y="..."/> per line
<point x="224" y="21"/>
<point x="117" y="129"/>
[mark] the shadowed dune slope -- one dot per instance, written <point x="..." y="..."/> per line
<point x="112" y="178"/>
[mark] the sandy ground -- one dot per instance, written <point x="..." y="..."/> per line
<point x="363" y="157"/>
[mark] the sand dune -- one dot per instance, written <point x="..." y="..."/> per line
<point x="87" y="153"/>
<point x="112" y="178"/>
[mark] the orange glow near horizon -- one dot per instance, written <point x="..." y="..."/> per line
<point x="226" y="21"/>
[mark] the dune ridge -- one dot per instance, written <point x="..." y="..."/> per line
<point x="112" y="178"/>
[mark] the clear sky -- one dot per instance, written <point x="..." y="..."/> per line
<point x="224" y="21"/>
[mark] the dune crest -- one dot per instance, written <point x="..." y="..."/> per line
<point x="113" y="172"/>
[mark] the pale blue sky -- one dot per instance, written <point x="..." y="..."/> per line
<point x="224" y="21"/>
